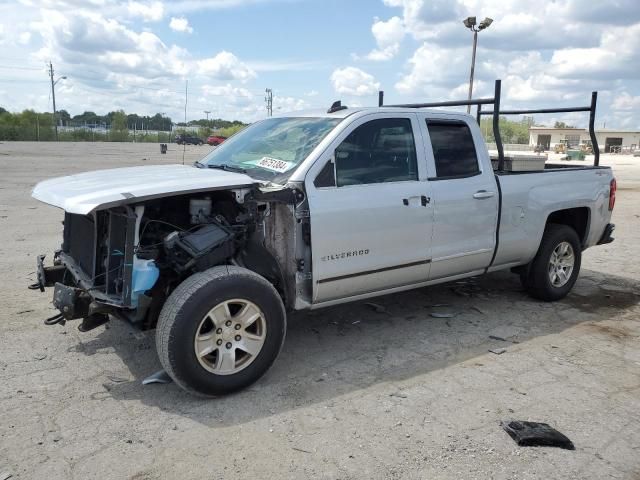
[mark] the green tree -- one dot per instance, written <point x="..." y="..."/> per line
<point x="119" y="128"/>
<point x="230" y="130"/>
<point x="64" y="117"/>
<point x="510" y="131"/>
<point x="204" y="132"/>
<point x="562" y="125"/>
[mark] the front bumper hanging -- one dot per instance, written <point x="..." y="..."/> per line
<point x="47" y="276"/>
<point x="72" y="302"/>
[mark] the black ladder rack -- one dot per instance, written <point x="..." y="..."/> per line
<point x="496" y="112"/>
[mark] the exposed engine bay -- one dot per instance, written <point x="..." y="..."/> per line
<point x="127" y="260"/>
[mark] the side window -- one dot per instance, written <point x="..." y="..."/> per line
<point x="326" y="177"/>
<point x="378" y="151"/>
<point x="453" y="149"/>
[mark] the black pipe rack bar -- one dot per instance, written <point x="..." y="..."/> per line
<point x="496" y="112"/>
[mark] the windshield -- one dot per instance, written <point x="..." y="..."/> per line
<point x="271" y="149"/>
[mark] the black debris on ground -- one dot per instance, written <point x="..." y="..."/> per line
<point x="534" y="434"/>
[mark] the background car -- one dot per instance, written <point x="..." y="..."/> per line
<point x="184" y="138"/>
<point x="215" y="139"/>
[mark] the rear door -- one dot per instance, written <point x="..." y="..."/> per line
<point x="370" y="209"/>
<point x="465" y="197"/>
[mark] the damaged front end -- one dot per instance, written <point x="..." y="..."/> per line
<point x="126" y="260"/>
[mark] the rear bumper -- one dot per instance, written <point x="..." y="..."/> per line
<point x="606" y="235"/>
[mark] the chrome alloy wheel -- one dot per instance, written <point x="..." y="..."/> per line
<point x="230" y="337"/>
<point x="561" y="264"/>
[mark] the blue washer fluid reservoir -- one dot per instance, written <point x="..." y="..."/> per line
<point x="145" y="275"/>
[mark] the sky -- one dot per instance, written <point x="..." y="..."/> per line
<point x="138" y="55"/>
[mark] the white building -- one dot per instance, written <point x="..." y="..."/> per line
<point x="608" y="140"/>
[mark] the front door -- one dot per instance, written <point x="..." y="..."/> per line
<point x="370" y="207"/>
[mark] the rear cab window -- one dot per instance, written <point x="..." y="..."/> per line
<point x="454" y="151"/>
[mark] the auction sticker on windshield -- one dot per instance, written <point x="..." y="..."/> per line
<point x="274" y="164"/>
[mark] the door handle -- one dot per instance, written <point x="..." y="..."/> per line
<point x="424" y="200"/>
<point x="481" y="194"/>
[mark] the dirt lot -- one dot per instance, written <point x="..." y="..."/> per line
<point x="356" y="393"/>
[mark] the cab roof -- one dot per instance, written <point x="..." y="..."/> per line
<point x="347" y="112"/>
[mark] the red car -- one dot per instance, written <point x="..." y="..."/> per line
<point x="215" y="139"/>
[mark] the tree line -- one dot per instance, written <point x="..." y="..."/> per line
<point x="116" y="126"/>
<point x="513" y="131"/>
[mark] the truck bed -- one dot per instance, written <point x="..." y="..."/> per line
<point x="528" y="198"/>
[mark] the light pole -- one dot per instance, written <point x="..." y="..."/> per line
<point x="470" y="23"/>
<point x="162" y="114"/>
<point x="207" y="112"/>
<point x="53" y="97"/>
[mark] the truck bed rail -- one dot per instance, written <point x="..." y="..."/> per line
<point x="496" y="112"/>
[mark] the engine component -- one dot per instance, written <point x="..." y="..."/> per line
<point x="199" y="210"/>
<point x="200" y="248"/>
<point x="145" y="275"/>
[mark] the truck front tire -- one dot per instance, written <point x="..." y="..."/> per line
<point x="220" y="330"/>
<point x="555" y="268"/>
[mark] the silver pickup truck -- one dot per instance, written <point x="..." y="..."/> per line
<point x="304" y="211"/>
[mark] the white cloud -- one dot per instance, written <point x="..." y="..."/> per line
<point x="626" y="102"/>
<point x="288" y="104"/>
<point x="225" y="66"/>
<point x="547" y="53"/>
<point x="353" y="81"/>
<point x="388" y="35"/>
<point x="227" y="94"/>
<point x="180" y="24"/>
<point x="543" y="54"/>
<point x="432" y="66"/>
<point x="24" y="38"/>
<point x="617" y="55"/>
<point x="148" y="11"/>
<point x="420" y="16"/>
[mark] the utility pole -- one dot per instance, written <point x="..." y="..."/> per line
<point x="162" y="114"/>
<point x="53" y="97"/>
<point x="186" y="96"/>
<point x="268" y="98"/>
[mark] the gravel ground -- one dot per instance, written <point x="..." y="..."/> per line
<point x="358" y="392"/>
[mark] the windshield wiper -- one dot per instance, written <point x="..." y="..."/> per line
<point x="228" y="168"/>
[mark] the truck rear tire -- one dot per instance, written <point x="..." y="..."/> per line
<point x="220" y="330"/>
<point x="555" y="268"/>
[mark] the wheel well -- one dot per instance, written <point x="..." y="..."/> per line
<point x="576" y="218"/>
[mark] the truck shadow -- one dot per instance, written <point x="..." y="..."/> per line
<point x="343" y="349"/>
